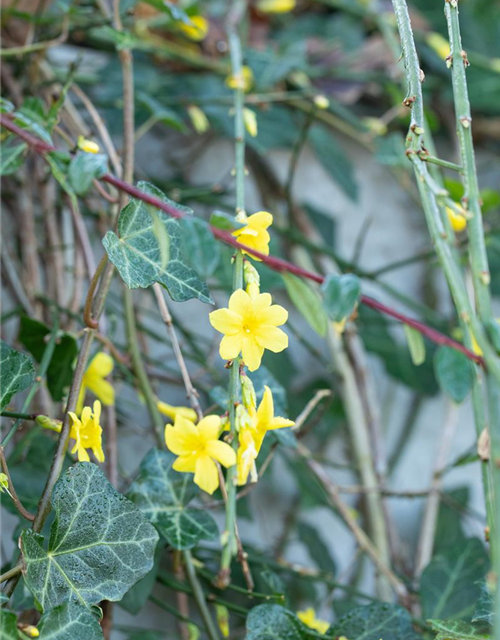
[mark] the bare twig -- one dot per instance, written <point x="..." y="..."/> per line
<point x="15" y="498"/>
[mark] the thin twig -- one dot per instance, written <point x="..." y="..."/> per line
<point x="15" y="498"/>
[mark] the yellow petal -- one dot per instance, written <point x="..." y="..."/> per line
<point x="262" y="219"/>
<point x="261" y="303"/>
<point x="225" y="321"/>
<point x="265" y="412"/>
<point x="101" y="365"/>
<point x="206" y="475"/>
<point x="182" y="439"/>
<point x="209" y="427"/>
<point x="252" y="353"/>
<point x="186" y="463"/>
<point x="97" y="411"/>
<point x="276" y="6"/>
<point x="221" y="452"/>
<point x="101" y="388"/>
<point x="274" y="315"/>
<point x="240" y="303"/>
<point x="271" y="338"/>
<point x="279" y="423"/>
<point x="83" y="456"/>
<point x="172" y="412"/>
<point x="81" y="398"/>
<point x="197" y="30"/>
<point x="99" y="453"/>
<point x="86" y="415"/>
<point x="230" y="346"/>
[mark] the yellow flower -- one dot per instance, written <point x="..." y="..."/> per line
<point x="440" y="45"/>
<point x="87" y="433"/>
<point x="29" y="630"/>
<point x="276" y="6"/>
<point x="100" y="366"/>
<point x="250" y="325"/>
<point x="87" y="145"/>
<point x="243" y="81"/>
<point x="198" y="447"/>
<point x="197" y="30"/>
<point x="173" y="412"/>
<point x="250" y="120"/>
<point x="198" y="118"/>
<point x="458" y="222"/>
<point x="254" y="234"/>
<point x="251" y="438"/>
<point x="308" y="617"/>
<point x="321" y="101"/>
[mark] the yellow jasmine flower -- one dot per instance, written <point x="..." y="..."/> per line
<point x="198" y="118"/>
<point x="243" y="81"/>
<point x="87" y="433"/>
<point x="251" y="438"/>
<point x="254" y="234"/>
<point x="250" y="120"/>
<point x="308" y="617"/>
<point x="458" y="222"/>
<point x="87" y="145"/>
<point x="250" y="325"/>
<point x="197" y="30"/>
<point x="276" y="6"/>
<point x="173" y="412"/>
<point x="198" y="447"/>
<point x="100" y="366"/>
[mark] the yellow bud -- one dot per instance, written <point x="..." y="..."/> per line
<point x="438" y="44"/>
<point x="475" y="346"/>
<point x="29" y="630"/>
<point x="321" y="102"/>
<point x="243" y="81"/>
<point x="250" y="274"/>
<point x="458" y="222"/>
<point x="242" y="418"/>
<point x="49" y="423"/>
<point x="248" y="393"/>
<point x="87" y="145"/>
<point x="198" y="118"/>
<point x="4" y="482"/>
<point x="222" y="619"/>
<point x="250" y="120"/>
<point x="276" y="6"/>
<point x="197" y="30"/>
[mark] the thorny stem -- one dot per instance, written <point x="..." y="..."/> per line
<point x="230" y="547"/>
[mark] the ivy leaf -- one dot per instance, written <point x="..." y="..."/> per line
<point x="457" y="630"/>
<point x="225" y="221"/>
<point x="316" y="548"/>
<point x="162" y="494"/>
<point x="454" y="373"/>
<point x="135" y="599"/>
<point x="17" y="373"/>
<point x="199" y="245"/>
<point x="272" y="622"/>
<point x="83" y="168"/>
<point x="12" y="157"/>
<point x="376" y="621"/>
<point x="340" y="295"/>
<point x="8" y="627"/>
<point x="416" y="345"/>
<point x="484" y="612"/>
<point x="137" y="253"/>
<point x="100" y="543"/>
<point x="70" y="621"/>
<point x="448" y="587"/>
<point x="60" y="371"/>
<point x="334" y="160"/>
<point x="308" y="303"/>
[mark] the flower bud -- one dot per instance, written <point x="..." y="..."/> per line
<point x="248" y="393"/>
<point x="242" y="418"/>
<point x="49" y="423"/>
<point x="87" y="145"/>
<point x="198" y="119"/>
<point x="250" y="120"/>
<point x="321" y="102"/>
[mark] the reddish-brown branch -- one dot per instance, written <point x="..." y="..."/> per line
<point x="277" y="264"/>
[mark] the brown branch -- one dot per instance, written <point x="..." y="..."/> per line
<point x="15" y="499"/>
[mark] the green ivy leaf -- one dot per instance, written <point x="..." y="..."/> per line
<point x="17" y="373"/>
<point x="375" y="621"/>
<point x="457" y="630"/>
<point x="334" y="160"/>
<point x="199" y="245"/>
<point x="454" y="373"/>
<point x="484" y="612"/>
<point x="12" y="157"/>
<point x="100" y="543"/>
<point x="225" y="221"/>
<point x="308" y="303"/>
<point x="340" y="295"/>
<point x="59" y="164"/>
<point x="416" y="345"/>
<point x="137" y="254"/>
<point x="136" y="597"/>
<point x="162" y="494"/>
<point x="60" y="371"/>
<point x="70" y="621"/>
<point x="316" y="548"/>
<point x="448" y="587"/>
<point x="272" y="622"/>
<point x="8" y="626"/>
<point x="83" y="168"/>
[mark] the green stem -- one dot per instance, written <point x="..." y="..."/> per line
<point x="199" y="596"/>
<point x="11" y="573"/>
<point x="16" y="414"/>
<point x="139" y="368"/>
<point x="441" y="163"/>
<point x="42" y="371"/>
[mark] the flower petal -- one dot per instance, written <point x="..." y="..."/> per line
<point x="222" y="452"/>
<point x="272" y="338"/>
<point x="101" y="365"/>
<point x="226" y="321"/>
<point x="252" y="353"/>
<point x="186" y="463"/>
<point x="209" y="428"/>
<point x="99" y="453"/>
<point x="97" y="411"/>
<point x="206" y="475"/>
<point x="261" y="219"/>
<point x="279" y="423"/>
<point x="183" y="439"/>
<point x="83" y="456"/>
<point x="86" y="415"/>
<point x="265" y="412"/>
<point x="101" y="388"/>
<point x="172" y="412"/>
<point x="240" y="303"/>
<point x="274" y="315"/>
<point x="230" y="346"/>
